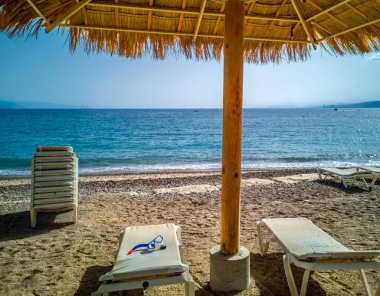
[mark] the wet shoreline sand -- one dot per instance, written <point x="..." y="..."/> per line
<point x="62" y="258"/>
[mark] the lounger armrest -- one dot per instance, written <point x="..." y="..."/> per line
<point x="347" y="255"/>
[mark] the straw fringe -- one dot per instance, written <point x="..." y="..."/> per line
<point x="17" y="19"/>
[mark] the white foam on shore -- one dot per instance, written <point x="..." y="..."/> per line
<point x="194" y="167"/>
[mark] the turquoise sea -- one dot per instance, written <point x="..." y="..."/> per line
<point x="163" y="140"/>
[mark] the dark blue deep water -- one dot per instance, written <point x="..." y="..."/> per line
<point x="162" y="140"/>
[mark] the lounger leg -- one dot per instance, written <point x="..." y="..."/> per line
<point x="33" y="217"/>
<point x="259" y="232"/>
<point x="305" y="281"/>
<point x="377" y="293"/>
<point x="344" y="182"/>
<point x="75" y="214"/>
<point x="289" y="275"/>
<point x="266" y="247"/>
<point x="373" y="182"/>
<point x="190" y="289"/>
<point x="365" y="283"/>
<point x="365" y="183"/>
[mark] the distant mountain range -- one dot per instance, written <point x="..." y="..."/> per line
<point x="371" y="104"/>
<point x="42" y="105"/>
<point x="36" y="105"/>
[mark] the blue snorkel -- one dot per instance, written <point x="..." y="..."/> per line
<point x="154" y="245"/>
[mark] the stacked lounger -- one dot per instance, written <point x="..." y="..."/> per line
<point x="54" y="181"/>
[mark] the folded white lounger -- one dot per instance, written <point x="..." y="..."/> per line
<point x="349" y="175"/>
<point x="146" y="268"/>
<point x="307" y="246"/>
<point x="54" y="181"/>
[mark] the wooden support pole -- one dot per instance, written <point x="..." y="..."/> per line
<point x="218" y="20"/>
<point x="84" y="13"/>
<point x="117" y="18"/>
<point x="327" y="10"/>
<point x="351" y="30"/>
<point x="199" y="21"/>
<point x="232" y="126"/>
<point x="66" y="14"/>
<point x="301" y="15"/>
<point x="179" y="27"/>
<point x="150" y="15"/>
<point x="328" y="14"/>
<point x="38" y="11"/>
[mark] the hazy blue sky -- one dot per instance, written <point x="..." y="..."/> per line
<point x="43" y="70"/>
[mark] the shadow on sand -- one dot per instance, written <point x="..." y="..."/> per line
<point x="269" y="276"/>
<point x="90" y="280"/>
<point x="350" y="190"/>
<point x="17" y="225"/>
<point x="267" y="272"/>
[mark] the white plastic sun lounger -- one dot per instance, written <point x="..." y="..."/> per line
<point x="54" y="181"/>
<point x="147" y="268"/>
<point x="349" y="175"/>
<point x="307" y="246"/>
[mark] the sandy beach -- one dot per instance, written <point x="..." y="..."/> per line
<point x="61" y="258"/>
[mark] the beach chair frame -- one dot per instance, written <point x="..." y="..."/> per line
<point x="54" y="181"/>
<point x="349" y="176"/>
<point x="119" y="285"/>
<point x="361" y="260"/>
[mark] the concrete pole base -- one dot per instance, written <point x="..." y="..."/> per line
<point x="229" y="273"/>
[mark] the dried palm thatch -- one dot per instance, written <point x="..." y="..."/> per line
<point x="275" y="30"/>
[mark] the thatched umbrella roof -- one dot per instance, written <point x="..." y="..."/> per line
<point x="274" y="29"/>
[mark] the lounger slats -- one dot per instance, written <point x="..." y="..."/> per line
<point x="57" y="206"/>
<point x="54" y="166"/>
<point x="55" y="200"/>
<point x="52" y="194"/>
<point x="67" y="172"/>
<point x="54" y="180"/>
<point x="53" y="189"/>
<point x="53" y="162"/>
<point x="53" y="154"/>
<point x="54" y="148"/>
<point x="41" y="160"/>
<point x="53" y="184"/>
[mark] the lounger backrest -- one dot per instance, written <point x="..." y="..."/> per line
<point x="145" y="263"/>
<point x="301" y="237"/>
<point x="375" y="170"/>
<point x="306" y="241"/>
<point x="346" y="172"/>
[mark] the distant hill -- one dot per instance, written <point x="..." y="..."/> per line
<point x="371" y="104"/>
<point x="36" y="105"/>
<point x="8" y="105"/>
